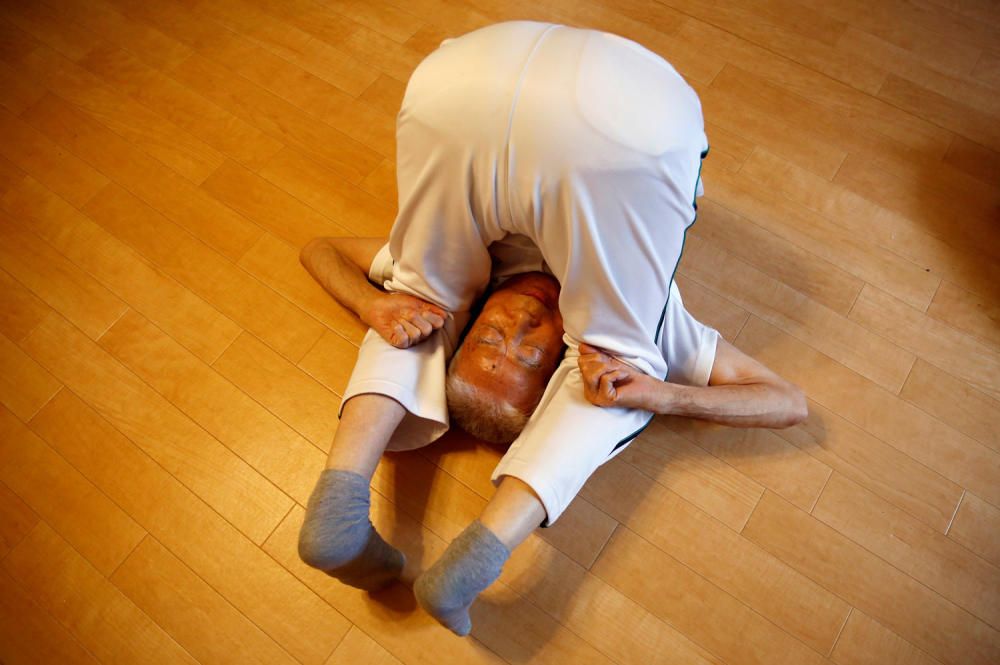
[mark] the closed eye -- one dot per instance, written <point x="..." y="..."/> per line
<point x="531" y="357"/>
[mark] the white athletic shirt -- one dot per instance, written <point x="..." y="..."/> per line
<point x="687" y="344"/>
<point x="589" y="147"/>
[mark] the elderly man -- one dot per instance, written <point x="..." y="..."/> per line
<point x="562" y="165"/>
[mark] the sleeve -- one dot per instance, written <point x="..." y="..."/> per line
<point x="688" y="345"/>
<point x="380" y="271"/>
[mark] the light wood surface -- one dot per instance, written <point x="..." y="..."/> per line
<point x="171" y="376"/>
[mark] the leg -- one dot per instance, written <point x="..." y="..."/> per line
<point x="337" y="535"/>
<point x="366" y="424"/>
<point x="473" y="560"/>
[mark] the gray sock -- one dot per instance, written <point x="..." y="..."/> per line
<point x="338" y="537"/>
<point x="471" y="563"/>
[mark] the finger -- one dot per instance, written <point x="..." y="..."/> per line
<point x="421" y="324"/>
<point x="607" y="388"/>
<point x="591" y="374"/>
<point x="411" y="331"/>
<point x="435" y="319"/>
<point x="587" y="348"/>
<point x="435" y="315"/>
<point x="399" y="337"/>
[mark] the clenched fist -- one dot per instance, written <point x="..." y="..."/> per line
<point x="403" y="320"/>
<point x="608" y="381"/>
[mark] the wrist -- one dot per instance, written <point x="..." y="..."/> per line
<point x="661" y="396"/>
<point x="368" y="305"/>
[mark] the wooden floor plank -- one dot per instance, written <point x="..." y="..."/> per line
<point x="219" y="477"/>
<point x="276" y="263"/>
<point x="226" y="412"/>
<point x="954" y="401"/>
<point x="331" y="361"/>
<point x="148" y="44"/>
<point x="265" y="592"/>
<point x="973" y="158"/>
<point x="107" y="623"/>
<point x="25" y="386"/>
<point x="182" y="202"/>
<point x="357" y="647"/>
<point x="711" y="617"/>
<point x="229" y="289"/>
<point x="288" y="392"/>
<point x="929" y="338"/>
<point x="899" y="423"/>
<point x="626" y="631"/>
<point x="704" y="480"/>
<point x="191" y="611"/>
<point x="36" y="20"/>
<point x="865" y="641"/>
<point x="290" y="44"/>
<point x="312" y="183"/>
<point x="189" y="319"/>
<point x="814" y="233"/>
<point x="762" y="455"/>
<point x="904" y="605"/>
<point x="21" y="311"/>
<point x="928" y="556"/>
<point x="60" y="283"/>
<point x="315" y="94"/>
<point x="17" y="519"/>
<point x="719" y="554"/>
<point x="976" y="526"/>
<point x="29" y="635"/>
<point x="32" y="152"/>
<point x="949" y="256"/>
<point x="856" y="347"/>
<point x="277" y="118"/>
<point x="161" y="164"/>
<point x="774" y="255"/>
<point x="96" y="527"/>
<point x="212" y="124"/>
<point x="942" y="204"/>
<point x="268" y="205"/>
<point x="972" y="314"/>
<point x="876" y="465"/>
<point x="710" y="308"/>
<point x="936" y="107"/>
<point x="142" y="127"/>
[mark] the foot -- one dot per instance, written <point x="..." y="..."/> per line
<point x="471" y="563"/>
<point x="338" y="538"/>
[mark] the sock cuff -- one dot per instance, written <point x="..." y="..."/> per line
<point x="478" y="539"/>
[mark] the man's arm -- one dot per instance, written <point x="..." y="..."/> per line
<point x="341" y="265"/>
<point x="741" y="391"/>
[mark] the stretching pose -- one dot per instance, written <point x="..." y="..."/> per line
<point x="565" y="179"/>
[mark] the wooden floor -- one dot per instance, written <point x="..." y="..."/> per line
<point x="170" y="375"/>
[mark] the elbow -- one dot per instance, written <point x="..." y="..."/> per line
<point x="311" y="249"/>
<point x="797" y="409"/>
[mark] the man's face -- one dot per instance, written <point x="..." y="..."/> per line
<point x="514" y="345"/>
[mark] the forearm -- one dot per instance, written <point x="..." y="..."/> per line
<point x="737" y="405"/>
<point x="341" y="278"/>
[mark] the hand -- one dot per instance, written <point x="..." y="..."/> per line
<point x="401" y="319"/>
<point x="608" y="381"/>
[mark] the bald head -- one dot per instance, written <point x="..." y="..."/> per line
<point x="498" y="375"/>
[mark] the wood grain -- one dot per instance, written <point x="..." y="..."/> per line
<point x="171" y="374"/>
